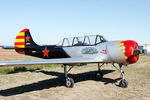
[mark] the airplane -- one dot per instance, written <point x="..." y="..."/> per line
<point x="78" y="51"/>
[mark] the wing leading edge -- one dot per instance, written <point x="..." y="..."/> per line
<point x="51" y="61"/>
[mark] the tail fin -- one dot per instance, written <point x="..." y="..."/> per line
<point x="24" y="40"/>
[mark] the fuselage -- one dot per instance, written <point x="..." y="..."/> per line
<point x="95" y="47"/>
<point x="108" y="52"/>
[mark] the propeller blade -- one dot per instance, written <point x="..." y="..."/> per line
<point x="138" y="51"/>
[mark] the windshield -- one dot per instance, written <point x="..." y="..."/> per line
<point x="82" y="41"/>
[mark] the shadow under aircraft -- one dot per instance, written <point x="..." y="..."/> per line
<point x="55" y="82"/>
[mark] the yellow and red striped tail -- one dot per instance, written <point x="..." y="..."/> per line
<point x="24" y="41"/>
<point x="20" y="39"/>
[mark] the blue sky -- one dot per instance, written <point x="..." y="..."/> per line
<point x="51" y="20"/>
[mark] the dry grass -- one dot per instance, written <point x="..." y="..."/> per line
<point x="11" y="54"/>
<point x="48" y="84"/>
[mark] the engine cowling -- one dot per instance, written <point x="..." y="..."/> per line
<point x="123" y="51"/>
<point x="130" y="46"/>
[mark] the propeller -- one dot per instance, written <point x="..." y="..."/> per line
<point x="139" y="51"/>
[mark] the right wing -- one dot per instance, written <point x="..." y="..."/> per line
<point x="52" y="61"/>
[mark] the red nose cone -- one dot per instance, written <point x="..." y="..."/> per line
<point x="129" y="48"/>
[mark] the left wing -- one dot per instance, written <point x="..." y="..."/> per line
<point x="52" y="61"/>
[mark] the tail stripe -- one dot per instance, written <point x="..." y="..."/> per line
<point x="21" y="34"/>
<point x="19" y="43"/>
<point x="24" y="30"/>
<point x="20" y="40"/>
<point x="19" y="46"/>
<point x="20" y="37"/>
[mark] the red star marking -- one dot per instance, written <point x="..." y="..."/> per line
<point x="27" y="38"/>
<point x="45" y="52"/>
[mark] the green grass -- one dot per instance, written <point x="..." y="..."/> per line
<point x="11" y="70"/>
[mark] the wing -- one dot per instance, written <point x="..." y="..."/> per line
<point x="52" y="61"/>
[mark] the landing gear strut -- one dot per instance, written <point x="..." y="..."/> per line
<point x="99" y="74"/>
<point x="123" y="83"/>
<point x="69" y="81"/>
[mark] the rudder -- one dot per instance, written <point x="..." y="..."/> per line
<point x="24" y="40"/>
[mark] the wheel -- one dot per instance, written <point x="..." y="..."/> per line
<point x="69" y="82"/>
<point x="98" y="75"/>
<point x="123" y="83"/>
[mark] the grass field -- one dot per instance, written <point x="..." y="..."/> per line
<point x="47" y="82"/>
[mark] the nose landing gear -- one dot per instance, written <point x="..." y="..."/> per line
<point x="123" y="83"/>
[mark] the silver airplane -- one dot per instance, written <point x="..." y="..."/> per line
<point x="78" y="51"/>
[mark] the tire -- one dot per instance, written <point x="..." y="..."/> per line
<point x="69" y="83"/>
<point x="123" y="83"/>
<point x="98" y="75"/>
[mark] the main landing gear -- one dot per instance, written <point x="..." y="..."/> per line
<point x="123" y="83"/>
<point x="99" y="74"/>
<point x="69" y="81"/>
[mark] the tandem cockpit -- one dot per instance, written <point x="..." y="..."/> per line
<point x="82" y="41"/>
